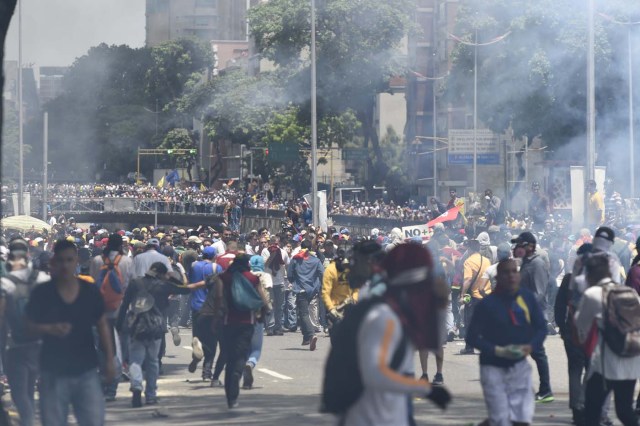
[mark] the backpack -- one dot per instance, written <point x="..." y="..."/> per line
<point x="243" y="295"/>
<point x="110" y="282"/>
<point x="144" y="319"/>
<point x="342" y="385"/>
<point x="621" y="320"/>
<point x="15" y="310"/>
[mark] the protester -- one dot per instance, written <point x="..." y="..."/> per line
<point x="63" y="311"/>
<point x="507" y="326"/>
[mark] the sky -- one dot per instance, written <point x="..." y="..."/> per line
<point x="54" y="33"/>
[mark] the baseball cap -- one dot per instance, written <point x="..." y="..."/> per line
<point x="344" y="231"/>
<point x="194" y="239"/>
<point x="524" y="238"/>
<point x="606" y="233"/>
<point x="209" y="252"/>
<point x="153" y="242"/>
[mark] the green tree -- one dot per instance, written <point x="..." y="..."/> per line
<point x="357" y="45"/>
<point x="535" y="79"/>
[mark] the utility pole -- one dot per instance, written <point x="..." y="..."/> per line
<point x="314" y="124"/>
<point x="475" y="115"/>
<point x="632" y="154"/>
<point x="20" y="117"/>
<point x="591" y="94"/>
<point x="45" y="166"/>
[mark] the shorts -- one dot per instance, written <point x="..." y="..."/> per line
<point x="508" y="393"/>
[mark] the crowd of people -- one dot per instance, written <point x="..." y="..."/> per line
<point x="85" y="308"/>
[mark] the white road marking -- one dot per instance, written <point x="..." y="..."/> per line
<point x="274" y="374"/>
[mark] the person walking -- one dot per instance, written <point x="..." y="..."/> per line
<point x="305" y="273"/>
<point x="64" y="312"/>
<point x="535" y="278"/>
<point x="608" y="371"/>
<point x="337" y="295"/>
<point x="507" y="326"/>
<point x="23" y="350"/>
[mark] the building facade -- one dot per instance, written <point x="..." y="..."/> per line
<point x="204" y="19"/>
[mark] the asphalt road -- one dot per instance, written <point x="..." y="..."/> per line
<point x="288" y="382"/>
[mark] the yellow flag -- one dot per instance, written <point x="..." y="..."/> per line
<point x="161" y="182"/>
<point x="202" y="187"/>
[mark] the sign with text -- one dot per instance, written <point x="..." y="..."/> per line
<point x="461" y="144"/>
<point x="421" y="231"/>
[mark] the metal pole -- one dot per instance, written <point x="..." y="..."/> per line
<point x="435" y="111"/>
<point x="20" y="117"/>
<point x="138" y="172"/>
<point x="156" y="117"/>
<point x="526" y="161"/>
<point x="475" y="116"/>
<point x="241" y="161"/>
<point x="591" y="94"/>
<point x="251" y="165"/>
<point x="45" y="166"/>
<point x="155" y="216"/>
<point x="632" y="173"/>
<point x="314" y="126"/>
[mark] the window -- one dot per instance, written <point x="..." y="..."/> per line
<point x="207" y="3"/>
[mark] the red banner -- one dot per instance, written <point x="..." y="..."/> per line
<point x="447" y="216"/>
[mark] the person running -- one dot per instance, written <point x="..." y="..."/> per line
<point x="507" y="326"/>
<point x="406" y="320"/>
<point x="21" y="359"/>
<point x="64" y="312"/>
<point x="203" y="341"/>
<point x="145" y="340"/>
<point x="236" y="325"/>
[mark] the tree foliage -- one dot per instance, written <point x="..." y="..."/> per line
<point x="117" y="99"/>
<point x="535" y="79"/>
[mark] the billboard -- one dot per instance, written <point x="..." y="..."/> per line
<point x="461" y="144"/>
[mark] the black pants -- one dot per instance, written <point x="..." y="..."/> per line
<point x="542" y="362"/>
<point x="302" y="303"/>
<point x="597" y="390"/>
<point x="236" y="342"/>
<point x="578" y="364"/>
<point x="202" y="329"/>
<point x="468" y="317"/>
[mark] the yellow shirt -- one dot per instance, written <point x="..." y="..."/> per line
<point x="474" y="263"/>
<point x="335" y="287"/>
<point x="595" y="212"/>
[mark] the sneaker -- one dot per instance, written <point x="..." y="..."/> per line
<point x="193" y="366"/>
<point x="306" y="342"/>
<point x="466" y="351"/>
<point x="175" y="333"/>
<point x="196" y="345"/>
<point x="216" y="383"/>
<point x="424" y="377"/>
<point x="313" y="343"/>
<point x="232" y="404"/>
<point x="551" y="330"/>
<point x="136" y="399"/>
<point x="247" y="377"/>
<point x="278" y="333"/>
<point x="543" y="398"/>
<point x="206" y="376"/>
<point x="451" y="336"/>
<point x="438" y="380"/>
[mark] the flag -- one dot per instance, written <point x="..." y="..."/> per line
<point x="161" y="182"/>
<point x="230" y="182"/>
<point x="202" y="187"/>
<point x="447" y="216"/>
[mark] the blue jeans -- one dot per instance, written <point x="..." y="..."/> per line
<point x="290" y="317"/>
<point x="256" y="344"/>
<point x="83" y="392"/>
<point x="21" y="366"/>
<point x="277" y="316"/>
<point x="144" y="352"/>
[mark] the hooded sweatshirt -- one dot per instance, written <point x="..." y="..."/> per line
<point x="305" y="273"/>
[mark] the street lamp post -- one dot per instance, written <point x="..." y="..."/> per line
<point x="314" y="124"/>
<point x="632" y="174"/>
<point x="20" y="117"/>
<point x="475" y="45"/>
<point x="591" y="93"/>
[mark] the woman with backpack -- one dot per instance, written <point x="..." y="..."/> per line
<point x="235" y="320"/>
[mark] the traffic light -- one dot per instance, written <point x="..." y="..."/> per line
<point x="266" y="152"/>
